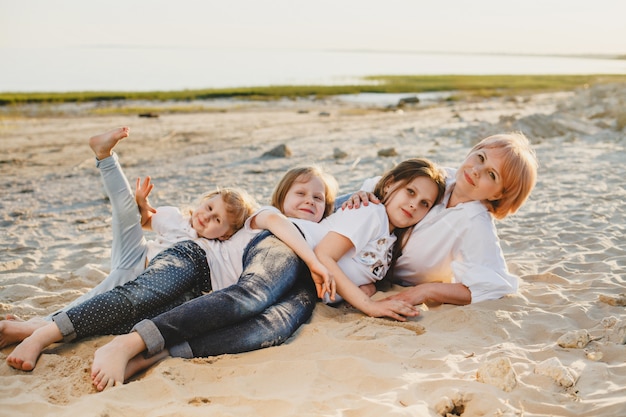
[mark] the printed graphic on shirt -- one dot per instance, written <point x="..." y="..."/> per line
<point x="377" y="257"/>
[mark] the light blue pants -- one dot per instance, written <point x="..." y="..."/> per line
<point x="129" y="247"/>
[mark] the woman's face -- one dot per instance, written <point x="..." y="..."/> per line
<point x="480" y="176"/>
<point x="306" y="200"/>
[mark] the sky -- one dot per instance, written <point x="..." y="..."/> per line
<point x="490" y="26"/>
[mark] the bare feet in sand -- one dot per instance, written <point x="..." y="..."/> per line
<point x="14" y="329"/>
<point x="103" y="144"/>
<point x="25" y="355"/>
<point x="140" y="362"/>
<point x="111" y="360"/>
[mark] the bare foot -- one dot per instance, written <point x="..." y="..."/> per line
<point x="111" y="360"/>
<point x="25" y="355"/>
<point x="139" y="363"/>
<point x="14" y="331"/>
<point x="103" y="144"/>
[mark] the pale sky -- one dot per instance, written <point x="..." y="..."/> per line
<point x="528" y="26"/>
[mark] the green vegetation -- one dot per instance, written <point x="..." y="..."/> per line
<point x="103" y="111"/>
<point x="483" y="85"/>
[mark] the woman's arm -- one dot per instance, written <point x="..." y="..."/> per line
<point x="358" y="198"/>
<point x="332" y="248"/>
<point x="286" y="231"/>
<point x="435" y="293"/>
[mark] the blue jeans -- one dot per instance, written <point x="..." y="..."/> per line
<point x="270" y="328"/>
<point x="273" y="297"/>
<point x="171" y="278"/>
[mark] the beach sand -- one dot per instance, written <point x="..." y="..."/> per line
<point x="496" y="358"/>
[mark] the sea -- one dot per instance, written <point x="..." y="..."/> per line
<point x="117" y="68"/>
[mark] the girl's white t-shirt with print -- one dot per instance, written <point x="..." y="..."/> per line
<point x="368" y="230"/>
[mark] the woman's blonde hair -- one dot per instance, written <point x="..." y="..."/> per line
<point x="518" y="171"/>
<point x="304" y="174"/>
<point x="239" y="206"/>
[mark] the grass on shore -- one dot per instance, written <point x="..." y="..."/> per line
<point x="482" y="85"/>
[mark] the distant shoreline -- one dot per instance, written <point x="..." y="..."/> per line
<point x="472" y="85"/>
<point x="589" y="55"/>
<point x="554" y="55"/>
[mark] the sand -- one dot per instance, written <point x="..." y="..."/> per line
<point x="555" y="348"/>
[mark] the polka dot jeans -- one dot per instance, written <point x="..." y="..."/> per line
<point x="174" y="276"/>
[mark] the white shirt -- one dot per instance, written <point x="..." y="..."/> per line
<point x="225" y="257"/>
<point x="368" y="230"/>
<point x="171" y="227"/>
<point x="456" y="245"/>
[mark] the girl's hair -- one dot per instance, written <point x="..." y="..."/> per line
<point x="519" y="171"/>
<point x="304" y="174"/>
<point x="404" y="173"/>
<point x="239" y="205"/>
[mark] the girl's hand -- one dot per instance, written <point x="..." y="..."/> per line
<point x="360" y="197"/>
<point x="395" y="309"/>
<point x="324" y="282"/>
<point x="142" y="191"/>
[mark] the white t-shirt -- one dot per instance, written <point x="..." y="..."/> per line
<point x="170" y="226"/>
<point x="225" y="257"/>
<point x="456" y="244"/>
<point x="368" y="230"/>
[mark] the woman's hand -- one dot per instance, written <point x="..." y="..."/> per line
<point x="395" y="309"/>
<point x="358" y="198"/>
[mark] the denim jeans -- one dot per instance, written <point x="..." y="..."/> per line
<point x="271" y="271"/>
<point x="270" y="328"/>
<point x="171" y="278"/>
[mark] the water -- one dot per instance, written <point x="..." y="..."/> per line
<point x="147" y="69"/>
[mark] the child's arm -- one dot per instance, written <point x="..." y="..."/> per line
<point x="286" y="231"/>
<point x="142" y="191"/>
<point x="332" y="247"/>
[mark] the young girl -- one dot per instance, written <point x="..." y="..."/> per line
<point x="356" y="247"/>
<point x="454" y="254"/>
<point x="218" y="215"/>
<point x="184" y="267"/>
